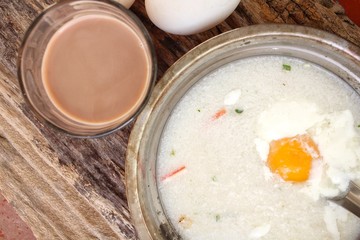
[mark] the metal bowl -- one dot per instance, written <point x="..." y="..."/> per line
<point x="326" y="50"/>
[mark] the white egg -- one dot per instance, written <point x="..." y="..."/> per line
<point x="186" y="17"/>
<point x="126" y="3"/>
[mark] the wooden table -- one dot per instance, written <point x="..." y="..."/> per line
<point x="67" y="188"/>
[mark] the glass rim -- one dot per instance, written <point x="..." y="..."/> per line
<point x="149" y="50"/>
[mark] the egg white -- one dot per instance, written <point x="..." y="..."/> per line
<point x="334" y="134"/>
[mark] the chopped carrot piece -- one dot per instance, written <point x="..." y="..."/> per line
<point x="219" y="114"/>
<point x="170" y="174"/>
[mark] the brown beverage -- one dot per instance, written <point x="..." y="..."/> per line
<point x="95" y="70"/>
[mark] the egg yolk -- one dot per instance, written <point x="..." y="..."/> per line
<point x="292" y="157"/>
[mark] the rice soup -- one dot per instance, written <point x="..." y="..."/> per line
<point x="212" y="175"/>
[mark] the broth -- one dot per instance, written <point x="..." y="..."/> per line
<point x="210" y="176"/>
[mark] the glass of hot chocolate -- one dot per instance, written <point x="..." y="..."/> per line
<point x="87" y="67"/>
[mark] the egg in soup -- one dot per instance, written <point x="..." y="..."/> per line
<point x="255" y="149"/>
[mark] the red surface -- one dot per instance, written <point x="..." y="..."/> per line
<point x="11" y="225"/>
<point x="352" y="9"/>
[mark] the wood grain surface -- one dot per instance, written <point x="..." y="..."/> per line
<point x="68" y="188"/>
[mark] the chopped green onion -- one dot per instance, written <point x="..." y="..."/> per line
<point x="359" y="126"/>
<point x="239" y="111"/>
<point x="199" y="110"/>
<point x="217" y="217"/>
<point x="172" y="152"/>
<point x="286" y="67"/>
<point x="214" y="178"/>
